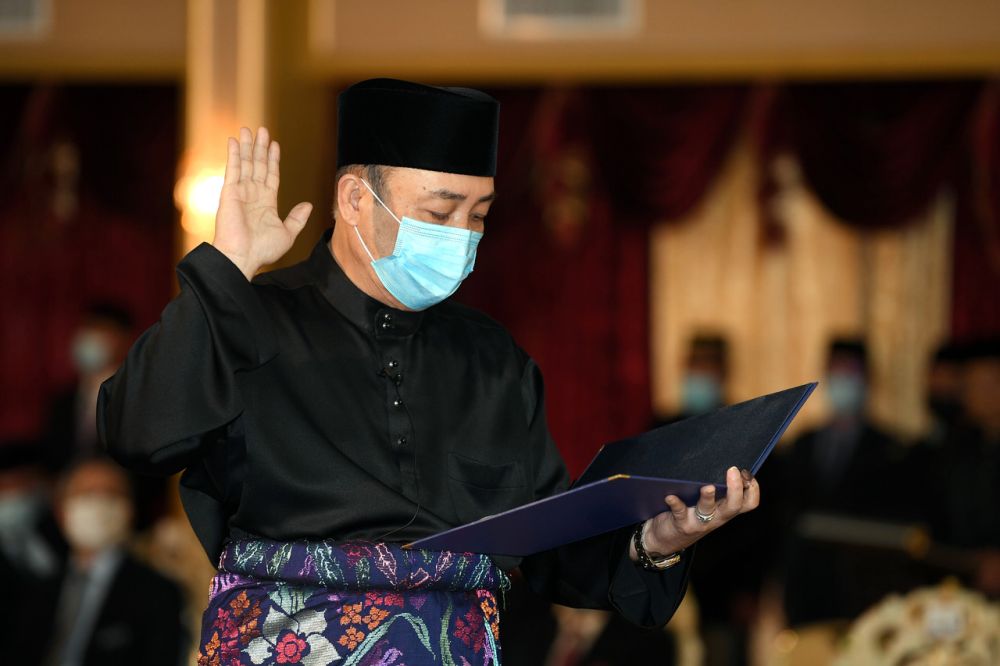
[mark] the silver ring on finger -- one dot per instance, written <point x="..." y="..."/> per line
<point x="702" y="517"/>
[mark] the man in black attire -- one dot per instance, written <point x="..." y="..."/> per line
<point x="847" y="467"/>
<point x="967" y="469"/>
<point x="345" y="397"/>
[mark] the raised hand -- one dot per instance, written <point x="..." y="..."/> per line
<point x="248" y="229"/>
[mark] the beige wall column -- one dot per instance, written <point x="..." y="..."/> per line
<point x="226" y="86"/>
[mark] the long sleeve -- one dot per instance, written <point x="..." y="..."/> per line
<point x="596" y="572"/>
<point x="179" y="380"/>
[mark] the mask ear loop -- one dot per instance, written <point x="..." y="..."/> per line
<point x="363" y="245"/>
<point x="379" y="199"/>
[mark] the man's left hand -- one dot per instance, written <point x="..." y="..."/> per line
<point x="680" y="526"/>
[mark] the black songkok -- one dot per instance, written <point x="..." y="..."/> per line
<point x="398" y="123"/>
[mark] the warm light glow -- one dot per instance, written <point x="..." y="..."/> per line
<point x="199" y="194"/>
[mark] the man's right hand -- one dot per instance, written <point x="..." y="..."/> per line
<point x="248" y="229"/>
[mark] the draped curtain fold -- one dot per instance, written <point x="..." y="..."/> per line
<point x="659" y="149"/>
<point x="875" y="154"/>
<point x="976" y="267"/>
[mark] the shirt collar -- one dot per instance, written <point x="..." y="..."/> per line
<point x="358" y="307"/>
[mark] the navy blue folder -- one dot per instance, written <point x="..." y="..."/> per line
<point x="627" y="480"/>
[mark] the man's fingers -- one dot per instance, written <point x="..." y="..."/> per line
<point x="751" y="497"/>
<point x="246" y="153"/>
<point x="232" y="161"/>
<point x="734" y="493"/>
<point x="260" y="155"/>
<point x="677" y="508"/>
<point x="298" y="217"/>
<point x="273" y="172"/>
<point x="706" y="501"/>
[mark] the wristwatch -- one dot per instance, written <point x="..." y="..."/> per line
<point x="653" y="562"/>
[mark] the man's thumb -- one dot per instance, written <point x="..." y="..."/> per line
<point x="298" y="217"/>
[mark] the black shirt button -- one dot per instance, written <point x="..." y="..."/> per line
<point x="386" y="325"/>
<point x="393" y="364"/>
<point x="400" y="441"/>
<point x="397" y="403"/>
<point x="386" y="316"/>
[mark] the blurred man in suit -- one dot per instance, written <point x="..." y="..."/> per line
<point x="109" y="608"/>
<point x="846" y="467"/>
<point x="99" y="344"/>
<point x="968" y="468"/>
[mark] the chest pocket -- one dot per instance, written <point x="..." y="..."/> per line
<point x="479" y="489"/>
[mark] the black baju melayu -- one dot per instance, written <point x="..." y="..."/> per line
<point x="301" y="408"/>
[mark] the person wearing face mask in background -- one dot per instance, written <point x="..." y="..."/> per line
<point x="847" y="467"/>
<point x="106" y="608"/>
<point x="944" y="394"/>
<point x="725" y="578"/>
<point x="98" y="347"/>
<point x="967" y="467"/>
<point x="32" y="549"/>
<point x="705" y="379"/>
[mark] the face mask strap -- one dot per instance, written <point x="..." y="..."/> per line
<point x="358" y="233"/>
<point x="367" y="251"/>
<point x="379" y="199"/>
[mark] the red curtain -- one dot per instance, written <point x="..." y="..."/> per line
<point x="875" y="154"/>
<point x="660" y="148"/>
<point x="117" y="246"/>
<point x="976" y="276"/>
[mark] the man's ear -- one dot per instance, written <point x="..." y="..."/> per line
<point x="349" y="191"/>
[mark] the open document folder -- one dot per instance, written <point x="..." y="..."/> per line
<point x="626" y="481"/>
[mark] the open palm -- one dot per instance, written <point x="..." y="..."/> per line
<point x="248" y="228"/>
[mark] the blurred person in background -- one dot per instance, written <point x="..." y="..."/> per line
<point x="968" y="469"/>
<point x="847" y="467"/>
<point x="99" y="345"/>
<point x="944" y="393"/>
<point x="32" y="550"/>
<point x="108" y="608"/>
<point x="706" y="375"/>
<point x="728" y="574"/>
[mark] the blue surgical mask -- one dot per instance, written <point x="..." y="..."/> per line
<point x="846" y="393"/>
<point x="701" y="393"/>
<point x="428" y="262"/>
<point x="18" y="511"/>
<point x="90" y="352"/>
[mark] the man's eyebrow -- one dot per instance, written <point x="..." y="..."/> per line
<point x="455" y="196"/>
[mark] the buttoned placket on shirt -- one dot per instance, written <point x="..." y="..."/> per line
<point x="390" y="338"/>
<point x="391" y="331"/>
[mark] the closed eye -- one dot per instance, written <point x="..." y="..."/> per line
<point x="440" y="217"/>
